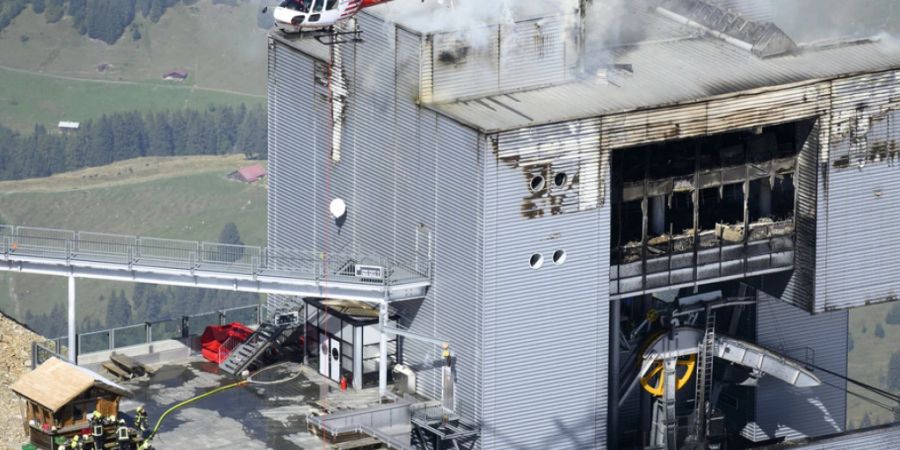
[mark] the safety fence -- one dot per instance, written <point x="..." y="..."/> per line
<point x="149" y="252"/>
<point x="144" y="333"/>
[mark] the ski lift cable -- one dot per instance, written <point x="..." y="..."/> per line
<point x="868" y="387"/>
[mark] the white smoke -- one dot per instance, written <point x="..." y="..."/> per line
<point x="821" y="21"/>
<point x="470" y="19"/>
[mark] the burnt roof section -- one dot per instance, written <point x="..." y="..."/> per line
<point x="671" y="65"/>
<point x="764" y="39"/>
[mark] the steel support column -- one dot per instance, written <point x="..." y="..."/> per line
<point x="614" y="365"/>
<point x="382" y="349"/>
<point x="73" y="356"/>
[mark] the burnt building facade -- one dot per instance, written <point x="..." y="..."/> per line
<point x="576" y="207"/>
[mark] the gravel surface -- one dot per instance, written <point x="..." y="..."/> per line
<point x="15" y="360"/>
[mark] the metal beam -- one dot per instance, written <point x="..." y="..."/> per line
<point x="382" y="350"/>
<point x="208" y="279"/>
<point x="614" y="366"/>
<point x="73" y="347"/>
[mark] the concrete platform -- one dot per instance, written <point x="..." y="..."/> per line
<point x="256" y="416"/>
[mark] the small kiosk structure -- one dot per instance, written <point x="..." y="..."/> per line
<point x="57" y="398"/>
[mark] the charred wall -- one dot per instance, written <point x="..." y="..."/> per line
<point x="546" y="297"/>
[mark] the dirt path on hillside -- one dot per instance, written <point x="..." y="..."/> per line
<point x="192" y="87"/>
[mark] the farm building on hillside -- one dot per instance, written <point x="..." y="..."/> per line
<point x="249" y="174"/>
<point x="66" y="126"/>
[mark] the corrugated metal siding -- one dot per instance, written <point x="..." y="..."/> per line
<point x="499" y="59"/>
<point x="405" y="173"/>
<point x="373" y="139"/>
<point x="291" y="218"/>
<point x="857" y="258"/>
<point x="782" y="410"/>
<point x="546" y="330"/>
<point x="535" y="53"/>
<point x="458" y="263"/>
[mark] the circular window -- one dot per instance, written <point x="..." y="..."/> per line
<point x="537" y="260"/>
<point x="559" y="256"/>
<point x="537" y="183"/>
<point x="560" y="179"/>
<point x="334" y="354"/>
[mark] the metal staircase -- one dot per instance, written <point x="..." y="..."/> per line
<point x="255" y="346"/>
<point x="705" y="377"/>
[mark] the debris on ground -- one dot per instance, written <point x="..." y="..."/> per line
<point x="15" y="360"/>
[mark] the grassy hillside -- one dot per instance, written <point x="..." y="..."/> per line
<point x="869" y="359"/>
<point x="185" y="198"/>
<point x="27" y="99"/>
<point x="220" y="45"/>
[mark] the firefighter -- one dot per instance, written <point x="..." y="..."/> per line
<point x="97" y="432"/>
<point x="140" y="419"/>
<point x="123" y="436"/>
<point x="75" y="443"/>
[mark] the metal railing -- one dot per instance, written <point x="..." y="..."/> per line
<point x="134" y="251"/>
<point x="147" y="332"/>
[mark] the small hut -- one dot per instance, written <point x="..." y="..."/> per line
<point x="58" y="396"/>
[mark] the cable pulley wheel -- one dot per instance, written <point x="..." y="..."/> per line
<point x="654" y="381"/>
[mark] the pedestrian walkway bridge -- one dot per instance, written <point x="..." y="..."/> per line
<point x="243" y="268"/>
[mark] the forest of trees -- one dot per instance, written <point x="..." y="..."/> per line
<point x="214" y="131"/>
<point x="149" y="303"/>
<point x="106" y="20"/>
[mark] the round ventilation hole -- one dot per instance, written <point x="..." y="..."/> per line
<point x="537" y="260"/>
<point x="537" y="183"/>
<point x="559" y="256"/>
<point x="560" y="179"/>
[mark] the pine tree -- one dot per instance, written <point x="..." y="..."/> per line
<point x="893" y="373"/>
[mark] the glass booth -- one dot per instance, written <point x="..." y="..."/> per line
<point x="342" y="340"/>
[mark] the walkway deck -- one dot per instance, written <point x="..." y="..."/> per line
<point x="210" y="265"/>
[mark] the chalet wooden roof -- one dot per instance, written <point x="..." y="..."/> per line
<point x="55" y="383"/>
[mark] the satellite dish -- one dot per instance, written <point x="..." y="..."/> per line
<point x="338" y="208"/>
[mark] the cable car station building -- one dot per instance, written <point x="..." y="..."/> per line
<point x="694" y="205"/>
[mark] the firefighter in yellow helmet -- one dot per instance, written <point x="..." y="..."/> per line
<point x="75" y="442"/>
<point x="140" y="419"/>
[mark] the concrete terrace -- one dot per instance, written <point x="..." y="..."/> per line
<point x="248" y="417"/>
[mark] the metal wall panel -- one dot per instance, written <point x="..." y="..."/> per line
<point x="856" y="258"/>
<point x="497" y="59"/>
<point x="411" y="181"/>
<point x="545" y="330"/>
<point x="782" y="410"/>
<point x="536" y="53"/>
<point x="291" y="218"/>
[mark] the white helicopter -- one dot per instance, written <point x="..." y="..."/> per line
<point x="297" y="16"/>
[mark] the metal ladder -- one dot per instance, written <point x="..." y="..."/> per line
<point x="705" y="376"/>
